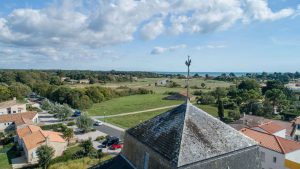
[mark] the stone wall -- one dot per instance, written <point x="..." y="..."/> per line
<point x="134" y="151"/>
<point x="242" y="159"/>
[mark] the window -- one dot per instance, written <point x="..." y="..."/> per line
<point x="298" y="126"/>
<point x="146" y="160"/>
<point x="14" y="112"/>
<point x="274" y="159"/>
<point x="19" y="110"/>
<point x="262" y="156"/>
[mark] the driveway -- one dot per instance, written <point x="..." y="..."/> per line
<point x="47" y="118"/>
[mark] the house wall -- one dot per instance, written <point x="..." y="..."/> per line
<point x="6" y="126"/>
<point x="292" y="160"/>
<point x="20" y="108"/>
<point x="31" y="155"/>
<point x="242" y="159"/>
<point x="281" y="133"/>
<point x="268" y="163"/>
<point x="134" y="151"/>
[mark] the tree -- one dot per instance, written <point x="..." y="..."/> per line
<point x="220" y="109"/>
<point x="45" y="154"/>
<point x="19" y="90"/>
<point x="219" y="92"/>
<point x="4" y="93"/>
<point x="203" y="85"/>
<point x="276" y="97"/>
<point x="249" y="84"/>
<point x="274" y="84"/>
<point x="47" y="105"/>
<point x="68" y="134"/>
<point x="63" y="111"/>
<point x="84" y="122"/>
<point x="87" y="146"/>
<point x="207" y="99"/>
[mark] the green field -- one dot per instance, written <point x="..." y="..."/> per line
<point x="149" y="83"/>
<point x="130" y="104"/>
<point x="133" y="120"/>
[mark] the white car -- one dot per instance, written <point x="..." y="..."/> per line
<point x="98" y="123"/>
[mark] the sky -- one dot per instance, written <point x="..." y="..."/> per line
<point x="151" y="35"/>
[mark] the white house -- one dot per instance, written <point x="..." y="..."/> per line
<point x="12" y="107"/>
<point x="271" y="128"/>
<point x="13" y="121"/>
<point x="275" y="152"/>
<point x="31" y="137"/>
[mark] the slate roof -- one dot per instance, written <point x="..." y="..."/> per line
<point x="187" y="134"/>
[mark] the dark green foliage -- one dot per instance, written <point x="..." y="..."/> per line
<point x="221" y="110"/>
<point x="207" y="99"/>
<point x="249" y="84"/>
<point x="45" y="154"/>
<point x="19" y="90"/>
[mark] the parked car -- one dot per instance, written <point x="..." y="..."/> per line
<point x="77" y="113"/>
<point x="115" y="146"/>
<point x="98" y="123"/>
<point x="110" y="141"/>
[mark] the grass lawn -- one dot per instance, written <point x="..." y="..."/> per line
<point x="79" y="163"/>
<point x="4" y="163"/>
<point x="4" y="153"/>
<point x="132" y="120"/>
<point x="130" y="104"/>
<point x="66" y="162"/>
<point x="212" y="110"/>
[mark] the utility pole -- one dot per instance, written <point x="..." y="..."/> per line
<point x="188" y="64"/>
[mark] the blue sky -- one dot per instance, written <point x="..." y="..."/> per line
<point x="236" y="36"/>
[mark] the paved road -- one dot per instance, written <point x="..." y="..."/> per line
<point x="136" y="112"/>
<point x="110" y="130"/>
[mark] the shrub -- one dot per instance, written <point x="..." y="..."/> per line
<point x="234" y="114"/>
<point x="99" y="138"/>
<point x="207" y="99"/>
<point x="59" y="127"/>
<point x="71" y="123"/>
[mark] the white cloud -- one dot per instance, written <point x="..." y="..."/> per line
<point x="259" y="10"/>
<point x="159" y="50"/>
<point x="63" y="29"/>
<point x="152" y="29"/>
<point x="211" y="46"/>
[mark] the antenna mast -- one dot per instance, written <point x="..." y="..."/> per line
<point x="188" y="64"/>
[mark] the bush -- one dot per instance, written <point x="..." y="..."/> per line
<point x="99" y="138"/>
<point x="207" y="99"/>
<point x="198" y="93"/>
<point x="59" y="127"/>
<point x="234" y="114"/>
<point x="71" y="123"/>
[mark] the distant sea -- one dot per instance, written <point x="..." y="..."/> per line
<point x="213" y="74"/>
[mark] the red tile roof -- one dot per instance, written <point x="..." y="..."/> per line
<point x="271" y="127"/>
<point x="18" y="118"/>
<point x="33" y="136"/>
<point x="272" y="142"/>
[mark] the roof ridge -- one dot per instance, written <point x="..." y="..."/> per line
<point x="181" y="138"/>
<point x="259" y="131"/>
<point x="280" y="146"/>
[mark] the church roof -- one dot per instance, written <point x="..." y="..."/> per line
<point x="187" y="134"/>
